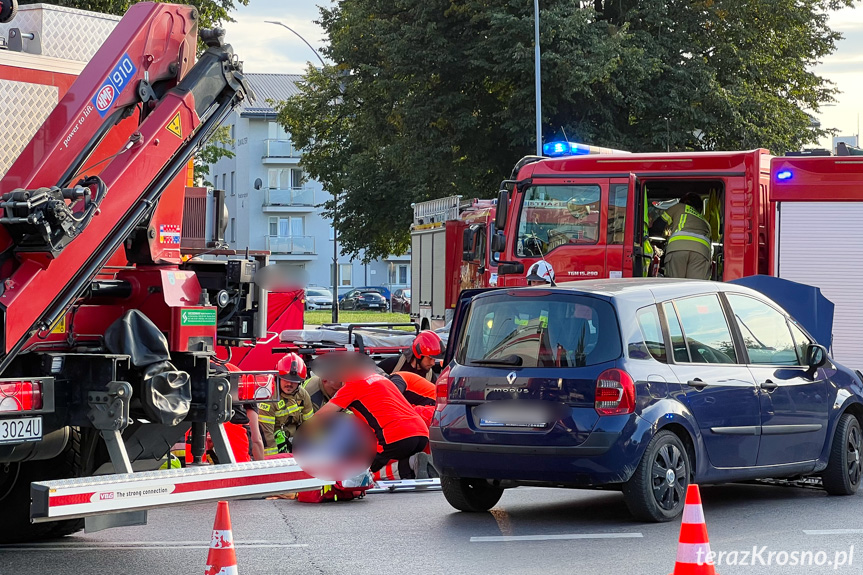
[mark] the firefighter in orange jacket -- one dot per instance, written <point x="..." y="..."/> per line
<point x="293" y="408"/>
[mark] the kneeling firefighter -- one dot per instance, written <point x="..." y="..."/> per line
<point x="279" y="421"/>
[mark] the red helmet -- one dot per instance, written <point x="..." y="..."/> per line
<point x="292" y="367"/>
<point x="427" y="344"/>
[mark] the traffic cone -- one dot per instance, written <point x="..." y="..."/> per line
<point x="693" y="551"/>
<point x="221" y="559"/>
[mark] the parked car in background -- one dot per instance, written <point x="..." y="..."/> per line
<point x="318" y="298"/>
<point x="640" y="385"/>
<point x="380" y="289"/>
<point x="361" y="299"/>
<point x="401" y="302"/>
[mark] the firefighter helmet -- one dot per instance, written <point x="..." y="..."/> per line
<point x="292" y="367"/>
<point x="427" y="344"/>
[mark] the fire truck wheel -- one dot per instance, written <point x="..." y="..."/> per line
<point x="15" y="482"/>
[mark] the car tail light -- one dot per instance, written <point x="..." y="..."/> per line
<point x="615" y="393"/>
<point x="20" y="396"/>
<point x="442" y="389"/>
<point x="256" y="388"/>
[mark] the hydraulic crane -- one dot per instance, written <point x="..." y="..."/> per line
<point x="107" y="335"/>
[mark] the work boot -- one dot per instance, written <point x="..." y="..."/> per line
<point x="423" y="468"/>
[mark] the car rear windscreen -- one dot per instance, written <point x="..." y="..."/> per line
<point x="553" y="330"/>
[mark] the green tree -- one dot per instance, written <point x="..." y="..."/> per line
<point x="213" y="12"/>
<point x="435" y="98"/>
<point x="214" y="150"/>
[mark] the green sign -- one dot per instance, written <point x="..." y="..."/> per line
<point x="198" y="317"/>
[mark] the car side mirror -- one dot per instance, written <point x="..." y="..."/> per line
<point x="816" y="356"/>
<point x="498" y="242"/>
<point x="500" y="213"/>
<point x="467" y="241"/>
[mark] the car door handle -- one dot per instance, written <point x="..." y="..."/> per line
<point x="696" y="383"/>
<point x="769" y="385"/>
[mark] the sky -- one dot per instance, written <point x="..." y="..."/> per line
<point x="270" y="48"/>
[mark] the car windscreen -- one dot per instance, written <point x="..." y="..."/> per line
<point x="319" y="292"/>
<point x="407" y="293"/>
<point x="551" y="330"/>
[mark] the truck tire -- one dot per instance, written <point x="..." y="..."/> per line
<point x="471" y="495"/>
<point x="657" y="489"/>
<point x="15" y="479"/>
<point x="843" y="473"/>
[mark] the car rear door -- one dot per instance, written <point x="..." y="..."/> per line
<point x="718" y="389"/>
<point x="793" y="400"/>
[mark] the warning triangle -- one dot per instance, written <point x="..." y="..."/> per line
<point x="174" y="127"/>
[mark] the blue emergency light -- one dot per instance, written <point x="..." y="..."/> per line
<point x="784" y="175"/>
<point x="556" y="149"/>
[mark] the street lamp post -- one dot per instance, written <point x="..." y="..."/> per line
<point x="335" y="309"/>
<point x="536" y="66"/>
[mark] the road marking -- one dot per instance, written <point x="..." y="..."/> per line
<point x="563" y="536"/>
<point x="147" y="546"/>
<point x="833" y="531"/>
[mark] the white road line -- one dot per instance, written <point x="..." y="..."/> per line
<point x="563" y="536"/>
<point x="101" y="547"/>
<point x="833" y="531"/>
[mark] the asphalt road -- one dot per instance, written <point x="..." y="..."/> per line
<point x="555" y="531"/>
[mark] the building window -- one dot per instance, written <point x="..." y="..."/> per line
<point x="345" y="275"/>
<point x="399" y="274"/>
<point x="277" y="132"/>
<point x="287" y="227"/>
<point x="233" y="183"/>
<point x="224" y="182"/>
<point x="297" y="179"/>
<point x="233" y="230"/>
<point x="285" y="179"/>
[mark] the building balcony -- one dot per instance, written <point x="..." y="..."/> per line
<point x="291" y="245"/>
<point x="291" y="200"/>
<point x="281" y="152"/>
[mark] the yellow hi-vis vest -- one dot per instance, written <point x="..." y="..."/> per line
<point x="690" y="231"/>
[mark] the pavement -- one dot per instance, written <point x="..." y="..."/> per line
<point x="531" y="531"/>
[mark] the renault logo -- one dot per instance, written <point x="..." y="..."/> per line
<point x="510" y="377"/>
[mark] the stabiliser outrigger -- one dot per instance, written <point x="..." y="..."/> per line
<point x="107" y="335"/>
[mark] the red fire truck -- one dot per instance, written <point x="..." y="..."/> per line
<point x="794" y="217"/>
<point x="450" y="252"/>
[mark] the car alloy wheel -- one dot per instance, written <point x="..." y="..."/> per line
<point x="852" y="455"/>
<point x="845" y="468"/>
<point x="668" y="475"/>
<point x="657" y="489"/>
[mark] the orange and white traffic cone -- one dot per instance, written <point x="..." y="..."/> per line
<point x="222" y="560"/>
<point x="693" y="551"/>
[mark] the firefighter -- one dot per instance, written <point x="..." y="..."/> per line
<point x="401" y="433"/>
<point x="424" y="352"/>
<point x="689" y="249"/>
<point x="293" y="408"/>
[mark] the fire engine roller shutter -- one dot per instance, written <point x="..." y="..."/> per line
<point x="439" y="278"/>
<point x="819" y="245"/>
<point x="415" y="274"/>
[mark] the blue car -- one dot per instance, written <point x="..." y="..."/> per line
<point x="641" y="385"/>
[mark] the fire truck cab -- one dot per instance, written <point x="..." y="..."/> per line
<point x="589" y="216"/>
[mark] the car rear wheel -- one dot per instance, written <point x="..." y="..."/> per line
<point x="657" y="489"/>
<point x="471" y="495"/>
<point x="843" y="473"/>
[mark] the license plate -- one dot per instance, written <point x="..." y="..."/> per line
<point x="523" y="424"/>
<point x="374" y="305"/>
<point x="21" y="429"/>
